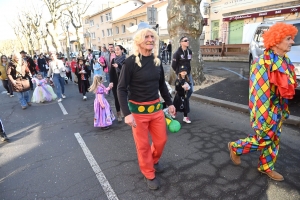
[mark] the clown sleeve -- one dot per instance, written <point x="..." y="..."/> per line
<point x="262" y="116"/>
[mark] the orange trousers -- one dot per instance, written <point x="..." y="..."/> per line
<point x="154" y="123"/>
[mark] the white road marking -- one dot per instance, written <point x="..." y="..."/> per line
<point x="235" y="73"/>
<point x="111" y="195"/>
<point x="62" y="108"/>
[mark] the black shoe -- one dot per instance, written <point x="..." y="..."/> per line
<point x="152" y="184"/>
<point x="105" y="128"/>
<point x="158" y="168"/>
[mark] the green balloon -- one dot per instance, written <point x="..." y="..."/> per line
<point x="174" y="126"/>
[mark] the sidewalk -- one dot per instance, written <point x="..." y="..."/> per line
<point x="234" y="95"/>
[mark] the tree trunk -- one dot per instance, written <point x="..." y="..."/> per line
<point x="185" y="19"/>
<point x="79" y="44"/>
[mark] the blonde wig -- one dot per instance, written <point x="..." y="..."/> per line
<point x="96" y="82"/>
<point x="138" y="39"/>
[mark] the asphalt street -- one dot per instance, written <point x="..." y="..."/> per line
<point x="45" y="158"/>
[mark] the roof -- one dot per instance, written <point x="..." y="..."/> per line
<point x="141" y="10"/>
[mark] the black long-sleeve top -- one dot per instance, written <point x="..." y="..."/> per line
<point x="141" y="84"/>
<point x="182" y="58"/>
<point x="114" y="73"/>
<point x="41" y="63"/>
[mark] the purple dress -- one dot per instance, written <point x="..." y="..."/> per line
<point x="103" y="116"/>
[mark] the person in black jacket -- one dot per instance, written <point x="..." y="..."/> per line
<point x="114" y="73"/>
<point x="82" y="72"/>
<point x="169" y="51"/>
<point x="42" y="65"/>
<point x="183" y="57"/>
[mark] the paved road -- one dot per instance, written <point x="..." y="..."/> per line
<point x="44" y="159"/>
<point x="235" y="86"/>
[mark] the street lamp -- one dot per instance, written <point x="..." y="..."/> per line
<point x="69" y="46"/>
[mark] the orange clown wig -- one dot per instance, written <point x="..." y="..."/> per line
<point x="277" y="33"/>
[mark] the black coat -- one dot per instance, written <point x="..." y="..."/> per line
<point x="182" y="58"/>
<point x="180" y="102"/>
<point x="86" y="76"/>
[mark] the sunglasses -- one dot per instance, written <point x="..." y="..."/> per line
<point x="184" y="40"/>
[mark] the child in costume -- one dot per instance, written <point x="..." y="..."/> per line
<point x="182" y="86"/>
<point x="97" y="68"/>
<point x="43" y="92"/>
<point x="103" y="116"/>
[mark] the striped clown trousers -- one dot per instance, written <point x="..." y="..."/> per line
<point x="267" y="143"/>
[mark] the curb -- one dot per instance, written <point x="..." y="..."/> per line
<point x="294" y="120"/>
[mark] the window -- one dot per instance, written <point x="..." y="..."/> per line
<point x="117" y="30"/>
<point x="101" y="18"/>
<point x="93" y="35"/>
<point x="99" y="39"/>
<point x="87" y="21"/>
<point x="97" y="26"/>
<point x="123" y="29"/>
<point x="108" y="16"/>
<point x="103" y="34"/>
<point x="131" y="24"/>
<point x="109" y="32"/>
<point x="91" y="22"/>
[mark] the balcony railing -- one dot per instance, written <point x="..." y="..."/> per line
<point x="225" y="50"/>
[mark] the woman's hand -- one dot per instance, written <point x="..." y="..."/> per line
<point x="111" y="85"/>
<point x="129" y="119"/>
<point x="102" y="106"/>
<point x="115" y="65"/>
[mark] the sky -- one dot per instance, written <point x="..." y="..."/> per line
<point x="8" y="13"/>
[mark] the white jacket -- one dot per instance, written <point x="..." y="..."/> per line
<point x="61" y="67"/>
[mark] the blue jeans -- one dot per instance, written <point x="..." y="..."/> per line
<point x="59" y="83"/>
<point x="23" y="98"/>
<point x="190" y="92"/>
<point x="107" y="77"/>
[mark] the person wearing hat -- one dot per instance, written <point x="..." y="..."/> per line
<point x="272" y="84"/>
<point x="58" y="72"/>
<point x="82" y="72"/>
<point x="182" y="86"/>
<point x="141" y="77"/>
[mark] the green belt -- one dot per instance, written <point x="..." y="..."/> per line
<point x="144" y="109"/>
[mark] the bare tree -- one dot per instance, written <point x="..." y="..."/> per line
<point x="185" y="19"/>
<point x="55" y="8"/>
<point x="75" y="14"/>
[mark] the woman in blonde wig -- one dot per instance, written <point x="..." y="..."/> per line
<point x="17" y="70"/>
<point x="141" y="77"/>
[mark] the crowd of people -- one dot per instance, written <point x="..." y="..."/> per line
<point x="138" y="81"/>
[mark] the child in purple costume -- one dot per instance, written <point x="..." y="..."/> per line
<point x="42" y="92"/>
<point x="103" y="116"/>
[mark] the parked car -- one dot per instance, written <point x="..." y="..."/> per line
<point x="256" y="46"/>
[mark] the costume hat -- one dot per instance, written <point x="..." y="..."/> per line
<point x="182" y="68"/>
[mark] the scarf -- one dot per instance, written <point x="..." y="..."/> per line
<point x="281" y="73"/>
<point x="120" y="59"/>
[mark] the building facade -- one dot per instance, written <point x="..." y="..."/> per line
<point x="98" y="28"/>
<point x="234" y="21"/>
<point x="123" y="26"/>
